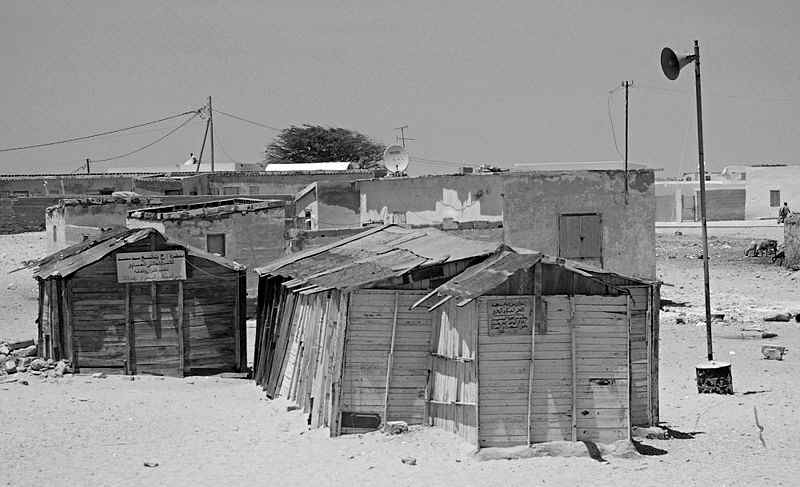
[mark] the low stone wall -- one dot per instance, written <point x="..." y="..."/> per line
<point x="18" y="215"/>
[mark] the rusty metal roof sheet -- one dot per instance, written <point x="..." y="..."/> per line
<point x="205" y="209"/>
<point x="71" y="259"/>
<point x="374" y="255"/>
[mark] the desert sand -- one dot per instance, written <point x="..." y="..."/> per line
<point x="80" y="430"/>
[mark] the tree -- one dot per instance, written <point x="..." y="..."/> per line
<point x="314" y="143"/>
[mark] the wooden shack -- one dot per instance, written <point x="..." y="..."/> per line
<point x="528" y="348"/>
<point x="132" y="301"/>
<point x="343" y="331"/>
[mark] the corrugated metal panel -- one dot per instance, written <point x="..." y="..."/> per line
<point x="375" y="255"/>
<point x="71" y="259"/>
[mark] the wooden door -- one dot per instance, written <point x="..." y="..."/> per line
<point x="154" y="318"/>
<point x="601" y="403"/>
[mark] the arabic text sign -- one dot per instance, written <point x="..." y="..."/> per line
<point x="160" y="265"/>
<point x="510" y="317"/>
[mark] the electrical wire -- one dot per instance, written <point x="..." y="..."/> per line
<point x="610" y="104"/>
<point x="258" y="124"/>
<point x="219" y="143"/>
<point x="99" y="134"/>
<point x="183" y="124"/>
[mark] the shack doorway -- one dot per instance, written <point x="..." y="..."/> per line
<point x="155" y="328"/>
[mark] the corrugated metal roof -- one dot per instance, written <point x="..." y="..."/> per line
<point x="71" y="259"/>
<point x="487" y="275"/>
<point x="374" y="255"/>
<point x="205" y="209"/>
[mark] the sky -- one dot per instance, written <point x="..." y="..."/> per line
<point x="475" y="81"/>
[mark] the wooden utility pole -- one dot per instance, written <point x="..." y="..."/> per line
<point x="211" y="128"/>
<point x="626" y="85"/>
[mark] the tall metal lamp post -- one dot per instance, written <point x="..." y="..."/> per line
<point x="712" y="376"/>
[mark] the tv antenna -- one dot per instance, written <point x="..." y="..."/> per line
<point x="401" y="139"/>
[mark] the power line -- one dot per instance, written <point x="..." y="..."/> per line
<point x="219" y="143"/>
<point x="610" y="104"/>
<point x="99" y="134"/>
<point x="183" y="124"/>
<point x="259" y="124"/>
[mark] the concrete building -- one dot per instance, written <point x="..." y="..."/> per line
<point x="768" y="186"/>
<point x="326" y="205"/>
<point x="247" y="231"/>
<point x="582" y="215"/>
<point x="678" y="201"/>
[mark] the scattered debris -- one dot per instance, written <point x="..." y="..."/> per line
<point x="760" y="428"/>
<point x="99" y="375"/>
<point x="768" y="335"/>
<point x="151" y="464"/>
<point x="23" y="382"/>
<point x="409" y="460"/>
<point x="678" y="233"/>
<point x="395" y="427"/>
<point x="649" y="433"/>
<point x="673" y="304"/>
<point x="291" y="408"/>
<point x="680" y="321"/>
<point x="717" y="317"/>
<point x="10" y="366"/>
<point x="779" y="317"/>
<point x="773" y="352"/>
<point x="28" y="351"/>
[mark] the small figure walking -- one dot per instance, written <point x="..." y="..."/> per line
<point x="784" y="212"/>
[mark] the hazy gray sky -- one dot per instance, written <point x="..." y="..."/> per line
<point x="476" y="81"/>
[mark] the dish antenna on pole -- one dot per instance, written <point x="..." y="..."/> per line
<point x="395" y="159"/>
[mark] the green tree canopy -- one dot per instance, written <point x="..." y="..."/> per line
<point x="315" y="143"/>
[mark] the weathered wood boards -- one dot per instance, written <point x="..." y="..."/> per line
<point x="174" y="327"/>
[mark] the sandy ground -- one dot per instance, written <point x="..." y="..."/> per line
<point x="210" y="431"/>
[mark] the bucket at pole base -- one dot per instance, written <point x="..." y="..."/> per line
<point x="714" y="378"/>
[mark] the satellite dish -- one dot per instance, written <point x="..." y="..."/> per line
<point x="395" y="159"/>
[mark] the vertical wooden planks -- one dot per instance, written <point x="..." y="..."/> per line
<point x="66" y="307"/>
<point x="390" y="359"/>
<point x="181" y="333"/>
<point x="237" y="331"/>
<point x="574" y="364"/>
<point x="130" y="367"/>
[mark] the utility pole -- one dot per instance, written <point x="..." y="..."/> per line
<point x="702" y="164"/>
<point x="211" y="128"/>
<point x="88" y="171"/>
<point x="626" y="85"/>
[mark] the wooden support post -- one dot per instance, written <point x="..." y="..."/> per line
<point x="390" y="361"/>
<point x="66" y="317"/>
<point x="129" y="333"/>
<point x="41" y="315"/>
<point x="477" y="348"/>
<point x="574" y="368"/>
<point x="237" y="335"/>
<point x="628" y="364"/>
<point x="181" y="332"/>
<point x="532" y="327"/>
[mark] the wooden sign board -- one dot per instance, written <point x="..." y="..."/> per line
<point x="510" y="317"/>
<point x="159" y="265"/>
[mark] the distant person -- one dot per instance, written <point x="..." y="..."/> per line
<point x="783" y="212"/>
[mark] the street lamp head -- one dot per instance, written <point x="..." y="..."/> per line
<point x="672" y="63"/>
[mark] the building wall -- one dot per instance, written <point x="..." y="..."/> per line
<point x="19" y="215"/>
<point x="266" y="183"/>
<point x="430" y="200"/>
<point x="251" y="239"/>
<point x="680" y="201"/>
<point x="791" y="241"/>
<point x="534" y="202"/>
<point x="761" y="180"/>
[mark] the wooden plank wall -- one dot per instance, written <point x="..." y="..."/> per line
<point x="299" y="344"/>
<point x="98" y="316"/>
<point x="369" y="330"/>
<point x="602" y="400"/>
<point x="453" y="388"/>
<point x="551" y="403"/>
<point x="504" y="378"/>
<point x="640" y="354"/>
<point x="209" y="317"/>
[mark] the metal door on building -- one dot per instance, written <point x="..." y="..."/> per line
<point x="154" y="335"/>
<point x="581" y="238"/>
